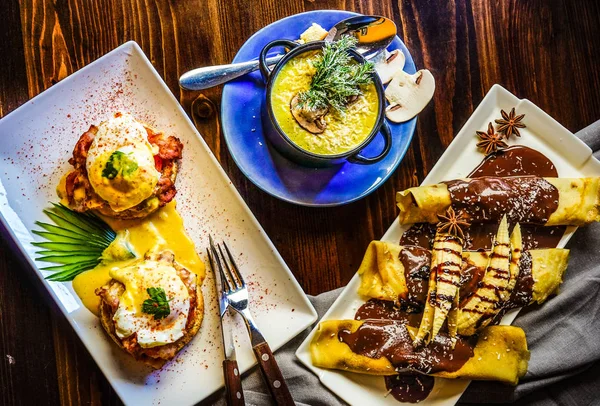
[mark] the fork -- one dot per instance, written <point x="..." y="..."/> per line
<point x="234" y="288"/>
<point x="233" y="380"/>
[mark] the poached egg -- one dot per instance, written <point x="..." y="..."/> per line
<point x="129" y="317"/>
<point x="120" y="163"/>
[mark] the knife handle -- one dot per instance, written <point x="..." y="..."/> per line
<point x="233" y="383"/>
<point x="272" y="374"/>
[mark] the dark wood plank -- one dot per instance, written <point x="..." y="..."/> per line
<point x="540" y="50"/>
<point x="27" y="359"/>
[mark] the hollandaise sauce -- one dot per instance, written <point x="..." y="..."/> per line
<point x="161" y="230"/>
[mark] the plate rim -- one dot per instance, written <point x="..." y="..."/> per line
<point x="7" y="232"/>
<point x="412" y="123"/>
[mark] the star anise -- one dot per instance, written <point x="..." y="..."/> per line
<point x="510" y="123"/>
<point x="453" y="223"/>
<point x="490" y="140"/>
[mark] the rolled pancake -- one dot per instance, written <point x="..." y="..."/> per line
<point x="500" y="354"/>
<point x="383" y="275"/>
<point x="578" y="202"/>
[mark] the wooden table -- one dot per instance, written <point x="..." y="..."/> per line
<point x="546" y="51"/>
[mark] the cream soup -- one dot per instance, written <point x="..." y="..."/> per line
<point x="344" y="131"/>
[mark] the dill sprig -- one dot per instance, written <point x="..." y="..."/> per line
<point x="337" y="77"/>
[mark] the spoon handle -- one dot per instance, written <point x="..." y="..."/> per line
<point x="209" y="76"/>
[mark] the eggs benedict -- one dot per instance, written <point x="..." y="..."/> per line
<point x="122" y="169"/>
<point x="151" y="307"/>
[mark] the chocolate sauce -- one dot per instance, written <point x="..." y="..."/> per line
<point x="479" y="236"/>
<point x="541" y="237"/>
<point x="390" y="339"/>
<point x="420" y="234"/>
<point x="470" y="277"/>
<point x="527" y="199"/>
<point x="416" y="262"/>
<point x="376" y="309"/>
<point x="522" y="294"/>
<point x="411" y="388"/>
<point x="517" y="160"/>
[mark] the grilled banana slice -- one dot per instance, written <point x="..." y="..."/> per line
<point x="448" y="249"/>
<point x="429" y="311"/>
<point x="485" y="303"/>
<point x="516" y="247"/>
<point x="453" y="318"/>
<point x="444" y="280"/>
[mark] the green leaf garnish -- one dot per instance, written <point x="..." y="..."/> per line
<point x="157" y="305"/>
<point x="119" y="162"/>
<point x="75" y="242"/>
<point x="338" y="77"/>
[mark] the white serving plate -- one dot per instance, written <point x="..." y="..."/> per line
<point x="571" y="157"/>
<point x="37" y="140"/>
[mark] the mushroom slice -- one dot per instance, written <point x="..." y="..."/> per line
<point x="408" y="95"/>
<point x="389" y="66"/>
<point x="311" y="120"/>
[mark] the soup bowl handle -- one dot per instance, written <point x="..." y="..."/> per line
<point x="387" y="139"/>
<point x="264" y="67"/>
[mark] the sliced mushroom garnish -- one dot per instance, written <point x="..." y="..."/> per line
<point x="408" y="95"/>
<point x="309" y="119"/>
<point x="351" y="99"/>
<point x="388" y="68"/>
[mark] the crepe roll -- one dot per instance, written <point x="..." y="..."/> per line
<point x="528" y="200"/>
<point x="499" y="353"/>
<point x="382" y="271"/>
<point x="393" y="272"/>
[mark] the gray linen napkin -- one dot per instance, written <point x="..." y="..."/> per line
<point x="563" y="336"/>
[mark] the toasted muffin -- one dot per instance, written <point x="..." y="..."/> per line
<point x="122" y="169"/>
<point x="151" y="353"/>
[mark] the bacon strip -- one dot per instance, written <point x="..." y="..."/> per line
<point x="82" y="147"/>
<point x="168" y="147"/>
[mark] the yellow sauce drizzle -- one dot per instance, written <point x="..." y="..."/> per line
<point x="161" y="230"/>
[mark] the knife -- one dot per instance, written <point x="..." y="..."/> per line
<point x="231" y="372"/>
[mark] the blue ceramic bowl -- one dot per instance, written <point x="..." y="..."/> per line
<point x="265" y="166"/>
<point x="285" y="145"/>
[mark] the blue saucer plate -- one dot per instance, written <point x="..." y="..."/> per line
<point x="242" y="127"/>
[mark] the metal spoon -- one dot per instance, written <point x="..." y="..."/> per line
<point x="374" y="34"/>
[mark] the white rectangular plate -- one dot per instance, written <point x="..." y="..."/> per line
<point x="571" y="157"/>
<point x="37" y="140"/>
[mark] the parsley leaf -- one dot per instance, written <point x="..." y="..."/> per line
<point x="119" y="162"/>
<point x="157" y="305"/>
